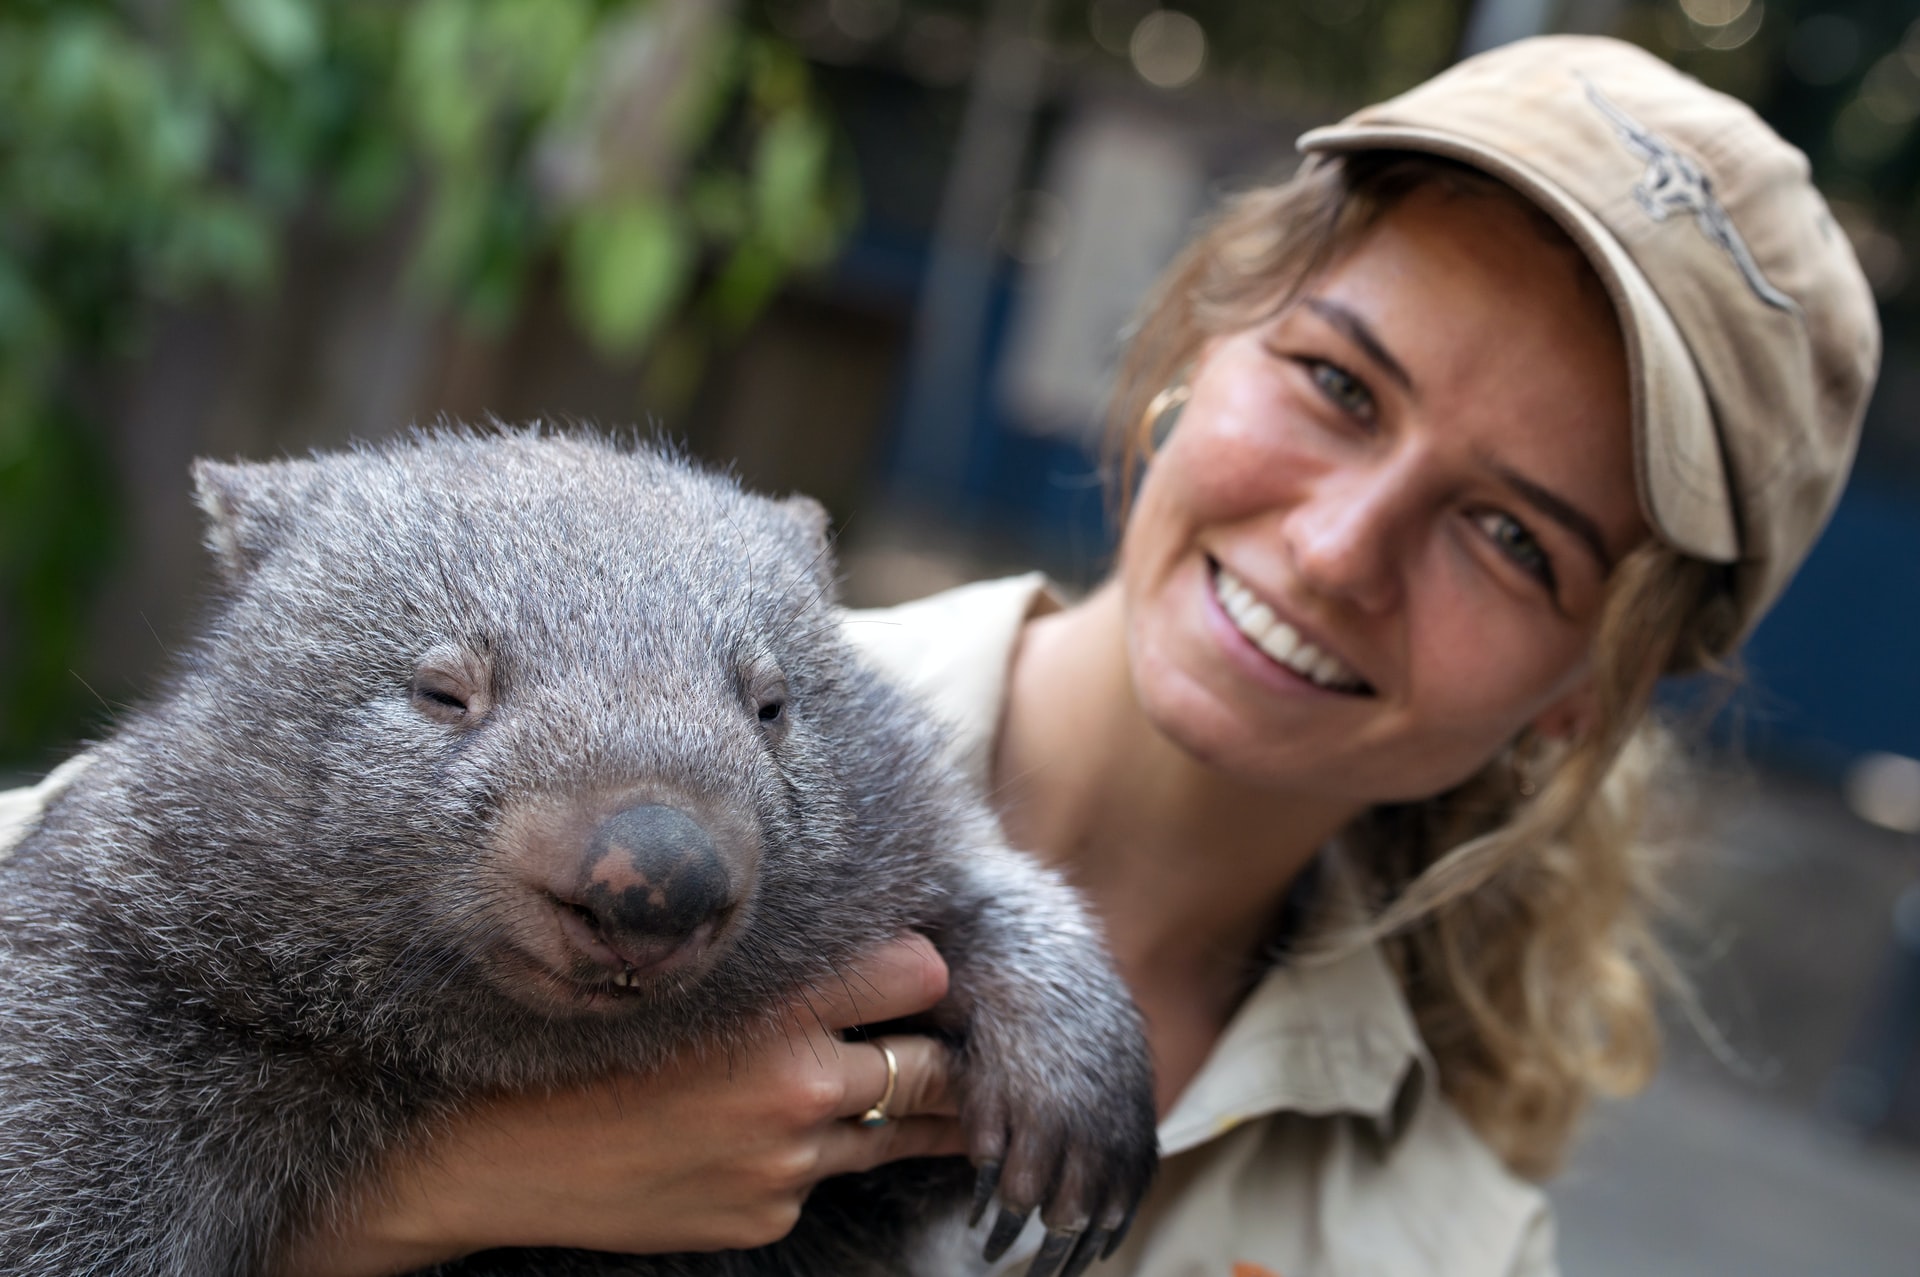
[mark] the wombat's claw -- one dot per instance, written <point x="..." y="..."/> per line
<point x="1120" y="1233"/>
<point x="1053" y="1252"/>
<point x="985" y="1180"/>
<point x="1086" y="1252"/>
<point x="1005" y="1229"/>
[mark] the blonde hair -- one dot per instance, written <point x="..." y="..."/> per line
<point x="1520" y="923"/>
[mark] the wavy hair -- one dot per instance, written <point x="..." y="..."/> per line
<point x="1517" y="914"/>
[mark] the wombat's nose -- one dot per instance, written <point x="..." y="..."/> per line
<point x="649" y="879"/>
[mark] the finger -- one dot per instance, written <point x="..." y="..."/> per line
<point x="1065" y="1207"/>
<point x="899" y="979"/>
<point x="1028" y="1175"/>
<point x="856" y="1148"/>
<point x="920" y="1087"/>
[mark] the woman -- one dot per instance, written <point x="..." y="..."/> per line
<point x="1536" y="383"/>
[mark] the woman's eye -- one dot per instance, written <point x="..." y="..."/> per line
<point x="1518" y="544"/>
<point x="1342" y="389"/>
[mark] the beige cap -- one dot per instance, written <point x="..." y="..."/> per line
<point x="1751" y="334"/>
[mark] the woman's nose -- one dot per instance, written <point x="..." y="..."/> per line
<point x="1345" y="537"/>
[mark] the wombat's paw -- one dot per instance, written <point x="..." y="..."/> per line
<point x="1077" y="1144"/>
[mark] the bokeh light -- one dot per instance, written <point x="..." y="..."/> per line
<point x="1884" y="790"/>
<point x="1716" y="13"/>
<point x="1736" y="31"/>
<point x="1168" y="49"/>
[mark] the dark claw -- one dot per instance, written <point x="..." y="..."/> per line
<point x="1055" y="1249"/>
<point x="1086" y="1252"/>
<point x="1119" y="1234"/>
<point x="984" y="1182"/>
<point x="1005" y="1229"/>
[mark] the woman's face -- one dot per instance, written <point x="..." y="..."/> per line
<point x="1375" y="547"/>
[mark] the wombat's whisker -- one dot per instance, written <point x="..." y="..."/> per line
<point x="819" y="631"/>
<point x="96" y="696"/>
<point x="746" y="552"/>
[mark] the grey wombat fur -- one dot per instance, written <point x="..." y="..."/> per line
<point x="267" y="935"/>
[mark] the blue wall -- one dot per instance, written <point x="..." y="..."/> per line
<point x="1834" y="670"/>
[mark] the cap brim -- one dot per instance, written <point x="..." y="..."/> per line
<point x="1681" y="472"/>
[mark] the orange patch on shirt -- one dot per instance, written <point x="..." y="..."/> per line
<point x="1244" y="1269"/>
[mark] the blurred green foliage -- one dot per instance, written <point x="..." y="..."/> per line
<point x="668" y="154"/>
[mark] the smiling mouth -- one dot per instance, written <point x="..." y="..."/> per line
<point x="1281" y="643"/>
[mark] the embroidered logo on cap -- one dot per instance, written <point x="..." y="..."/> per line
<point x="1673" y="184"/>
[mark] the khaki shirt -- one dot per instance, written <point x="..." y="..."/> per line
<point x="1314" y="1142"/>
<point x="20" y="808"/>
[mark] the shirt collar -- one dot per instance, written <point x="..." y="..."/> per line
<point x="1322" y="1036"/>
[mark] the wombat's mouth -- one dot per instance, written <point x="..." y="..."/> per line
<point x="628" y="962"/>
<point x="614" y="895"/>
<point x="575" y="964"/>
<point x="535" y="983"/>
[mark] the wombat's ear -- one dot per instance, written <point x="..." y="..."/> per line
<point x="810" y="515"/>
<point x="816" y="524"/>
<point x="245" y="506"/>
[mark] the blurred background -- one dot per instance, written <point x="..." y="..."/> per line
<point x="883" y="251"/>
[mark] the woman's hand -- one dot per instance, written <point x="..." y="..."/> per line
<point x="705" y="1155"/>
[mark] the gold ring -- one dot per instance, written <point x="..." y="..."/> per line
<point x="877" y="1115"/>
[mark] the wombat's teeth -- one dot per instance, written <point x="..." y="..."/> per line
<point x="624" y="979"/>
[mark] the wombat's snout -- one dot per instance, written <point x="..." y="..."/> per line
<point x="649" y="888"/>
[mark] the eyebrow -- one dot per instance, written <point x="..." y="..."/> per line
<point x="1362" y="335"/>
<point x="1561" y="511"/>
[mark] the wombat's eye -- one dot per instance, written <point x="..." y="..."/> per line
<point x="772" y="714"/>
<point x="446" y="695"/>
<point x="445" y="700"/>
<point x="765" y="691"/>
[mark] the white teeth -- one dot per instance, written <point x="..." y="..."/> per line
<point x="1280" y="642"/>
<point x="1278" y="639"/>
<point x="624" y="979"/>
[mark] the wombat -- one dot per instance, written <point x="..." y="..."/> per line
<point x="505" y="760"/>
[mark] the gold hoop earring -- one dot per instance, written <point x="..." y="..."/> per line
<point x="1163" y="414"/>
